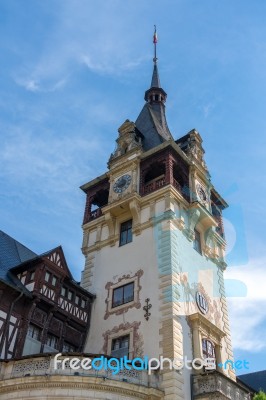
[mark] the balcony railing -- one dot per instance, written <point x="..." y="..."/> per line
<point x="177" y="185"/>
<point x="216" y="384"/>
<point x="44" y="366"/>
<point x="95" y="214"/>
<point x="154" y="185"/>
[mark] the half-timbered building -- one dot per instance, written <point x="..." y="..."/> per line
<point x="42" y="308"/>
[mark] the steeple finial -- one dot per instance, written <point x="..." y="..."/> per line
<point x="155" y="40"/>
<point x="155" y="94"/>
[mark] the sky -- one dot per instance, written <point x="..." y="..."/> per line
<point x="72" y="71"/>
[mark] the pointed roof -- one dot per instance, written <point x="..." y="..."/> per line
<point x="12" y="253"/>
<point x="151" y="122"/>
<point x="155" y="80"/>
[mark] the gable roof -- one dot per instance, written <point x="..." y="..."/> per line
<point x="55" y="256"/>
<point x="255" y="380"/>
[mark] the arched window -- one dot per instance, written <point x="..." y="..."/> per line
<point x="208" y="349"/>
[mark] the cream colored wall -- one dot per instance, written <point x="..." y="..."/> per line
<point x="167" y="324"/>
<point x="113" y="263"/>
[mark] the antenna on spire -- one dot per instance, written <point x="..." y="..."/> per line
<point x="155" y="40"/>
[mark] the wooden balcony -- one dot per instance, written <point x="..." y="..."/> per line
<point x="154" y="185"/>
<point x="95" y="214"/>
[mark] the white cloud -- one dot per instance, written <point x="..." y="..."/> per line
<point x="247" y="314"/>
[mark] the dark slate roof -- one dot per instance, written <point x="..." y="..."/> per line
<point x="151" y="122"/>
<point x="155" y="80"/>
<point x="12" y="253"/>
<point x="255" y="380"/>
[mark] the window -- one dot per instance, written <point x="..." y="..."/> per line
<point x="83" y="303"/>
<point x="70" y="295"/>
<point x="34" y="332"/>
<point x="54" y="280"/>
<point x="120" y="346"/>
<point x="31" y="275"/>
<point x="63" y="291"/>
<point x="47" y="276"/>
<point x="52" y="341"/>
<point x="197" y="243"/>
<point x="123" y="294"/>
<point x="208" y="349"/>
<point x="77" y="300"/>
<point x="125" y="233"/>
<point x="68" y="348"/>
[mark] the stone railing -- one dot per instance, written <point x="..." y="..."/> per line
<point x="44" y="366"/>
<point x="217" y="386"/>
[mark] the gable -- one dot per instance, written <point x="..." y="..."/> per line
<point x="57" y="258"/>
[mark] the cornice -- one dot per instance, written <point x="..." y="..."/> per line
<point x="79" y="382"/>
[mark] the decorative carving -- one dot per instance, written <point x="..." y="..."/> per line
<point x="56" y="326"/>
<point x="22" y="368"/>
<point x="39" y="316"/>
<point x="216" y="386"/>
<point x="180" y="223"/>
<point x="129" y="138"/>
<point x="137" y="344"/>
<point x="56" y="259"/>
<point x="110" y="286"/>
<point x="147" y="308"/>
<point x="135" y="210"/>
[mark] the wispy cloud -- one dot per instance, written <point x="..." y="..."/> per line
<point x="81" y="35"/>
<point x="247" y="314"/>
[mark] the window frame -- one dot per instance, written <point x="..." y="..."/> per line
<point x="123" y="296"/>
<point x="129" y="234"/>
<point x="205" y="353"/>
<point x="33" y="329"/>
<point x="54" y="337"/>
<point x="120" y="338"/>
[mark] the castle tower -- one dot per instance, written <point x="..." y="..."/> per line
<point x="154" y="246"/>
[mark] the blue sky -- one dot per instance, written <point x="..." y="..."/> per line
<point x="73" y="71"/>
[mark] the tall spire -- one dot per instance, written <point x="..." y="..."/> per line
<point x="151" y="122"/>
<point x="155" y="93"/>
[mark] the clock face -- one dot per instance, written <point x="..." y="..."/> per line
<point x="122" y="183"/>
<point x="202" y="303"/>
<point x="201" y="193"/>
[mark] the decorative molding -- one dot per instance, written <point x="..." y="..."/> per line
<point x="123" y="280"/>
<point x="136" y="340"/>
<point x="79" y="383"/>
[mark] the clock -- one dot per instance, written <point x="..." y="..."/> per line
<point x="202" y="303"/>
<point x="201" y="193"/>
<point x="122" y="183"/>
